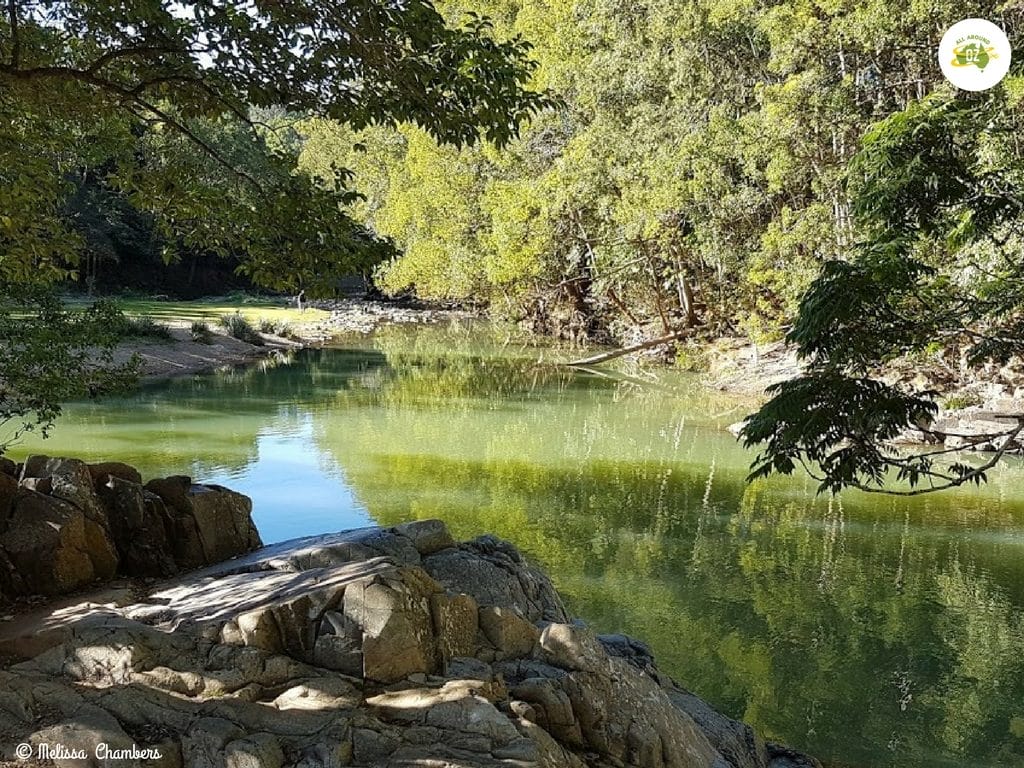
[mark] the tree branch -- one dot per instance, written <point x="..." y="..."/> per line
<point x="968" y="477"/>
<point x="12" y="13"/>
<point x="130" y="95"/>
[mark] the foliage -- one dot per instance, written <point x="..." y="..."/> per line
<point x="694" y="174"/>
<point x="200" y="332"/>
<point x="141" y="327"/>
<point x="937" y="206"/>
<point x="150" y="127"/>
<point x="49" y="354"/>
<point x="240" y="328"/>
<point x="180" y="111"/>
<point x="276" y="327"/>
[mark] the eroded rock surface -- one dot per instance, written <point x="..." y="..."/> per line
<point x="377" y="647"/>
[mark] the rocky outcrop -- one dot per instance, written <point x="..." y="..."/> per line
<point x="385" y="648"/>
<point x="65" y="524"/>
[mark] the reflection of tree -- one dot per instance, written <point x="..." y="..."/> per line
<point x="206" y="424"/>
<point x="857" y="630"/>
<point x="878" y="633"/>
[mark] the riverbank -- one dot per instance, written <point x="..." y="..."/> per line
<point x="181" y="354"/>
<point x="973" y="403"/>
<point x="374" y="647"/>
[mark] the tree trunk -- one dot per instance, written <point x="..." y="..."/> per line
<point x="604" y="356"/>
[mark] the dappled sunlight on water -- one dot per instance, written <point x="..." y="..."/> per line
<point x="870" y="631"/>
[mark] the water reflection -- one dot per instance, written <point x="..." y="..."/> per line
<point x="870" y="631"/>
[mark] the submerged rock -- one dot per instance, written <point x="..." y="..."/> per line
<point x="378" y="647"/>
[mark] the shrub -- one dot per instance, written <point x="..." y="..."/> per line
<point x="961" y="400"/>
<point x="201" y="332"/>
<point x="237" y="326"/>
<point x="141" y="327"/>
<point x="277" y="327"/>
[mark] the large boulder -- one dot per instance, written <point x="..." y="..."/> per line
<point x="65" y="523"/>
<point x="53" y="547"/>
<point x="138" y="527"/>
<point x="206" y="523"/>
<point x="69" y="480"/>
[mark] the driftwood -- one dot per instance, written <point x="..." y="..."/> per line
<point x="605" y="356"/>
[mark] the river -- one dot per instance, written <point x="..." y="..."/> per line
<point x="869" y="631"/>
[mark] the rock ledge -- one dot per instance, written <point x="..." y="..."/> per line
<point x="376" y="647"/>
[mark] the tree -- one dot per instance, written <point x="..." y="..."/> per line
<point x="162" y="104"/>
<point x="938" y="197"/>
<point x="79" y="80"/>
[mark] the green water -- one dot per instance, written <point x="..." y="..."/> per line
<point x="868" y="631"/>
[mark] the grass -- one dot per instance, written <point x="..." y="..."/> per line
<point x="142" y="327"/>
<point x="961" y="400"/>
<point x="200" y="332"/>
<point x="211" y="310"/>
<point x="238" y="326"/>
<point x="276" y="327"/>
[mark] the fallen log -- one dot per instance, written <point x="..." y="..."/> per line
<point x="611" y="355"/>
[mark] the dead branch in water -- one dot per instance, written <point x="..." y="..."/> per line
<point x="605" y="356"/>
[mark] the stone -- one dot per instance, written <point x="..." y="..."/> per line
<point x="47" y="543"/>
<point x="737" y="742"/>
<point x="260" y="750"/>
<point x="216" y="667"/>
<point x="204" y="744"/>
<point x="138" y="528"/>
<point x="8" y="492"/>
<point x="224" y="521"/>
<point x="339" y="644"/>
<point x="455" y="619"/>
<point x="106" y="469"/>
<point x="70" y="480"/>
<point x="511" y="635"/>
<point x="495" y="574"/>
<point x="572" y="647"/>
<point x="206" y="524"/>
<point x="428" y="536"/>
<point x="398" y="634"/>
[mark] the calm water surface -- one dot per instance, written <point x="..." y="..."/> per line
<point x="869" y="631"/>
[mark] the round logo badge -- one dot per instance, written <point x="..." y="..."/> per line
<point x="974" y="54"/>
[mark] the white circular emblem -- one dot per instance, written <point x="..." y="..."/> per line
<point x="974" y="54"/>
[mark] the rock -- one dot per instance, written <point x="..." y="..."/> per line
<point x="8" y="492"/>
<point x="428" y="536"/>
<point x="398" y="633"/>
<point x="345" y="650"/>
<point x="511" y="635"/>
<point x="495" y="574"/>
<point x="69" y="480"/>
<point x="224" y="521"/>
<point x="138" y="527"/>
<point x="339" y="644"/>
<point x="572" y="647"/>
<point x="105" y="469"/>
<point x="737" y="742"/>
<point x="260" y="750"/>
<point x="53" y="547"/>
<point x="455" y="619"/>
<point x="206" y="524"/>
<point x="634" y="651"/>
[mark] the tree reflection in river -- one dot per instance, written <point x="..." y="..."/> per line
<point x="870" y="631"/>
